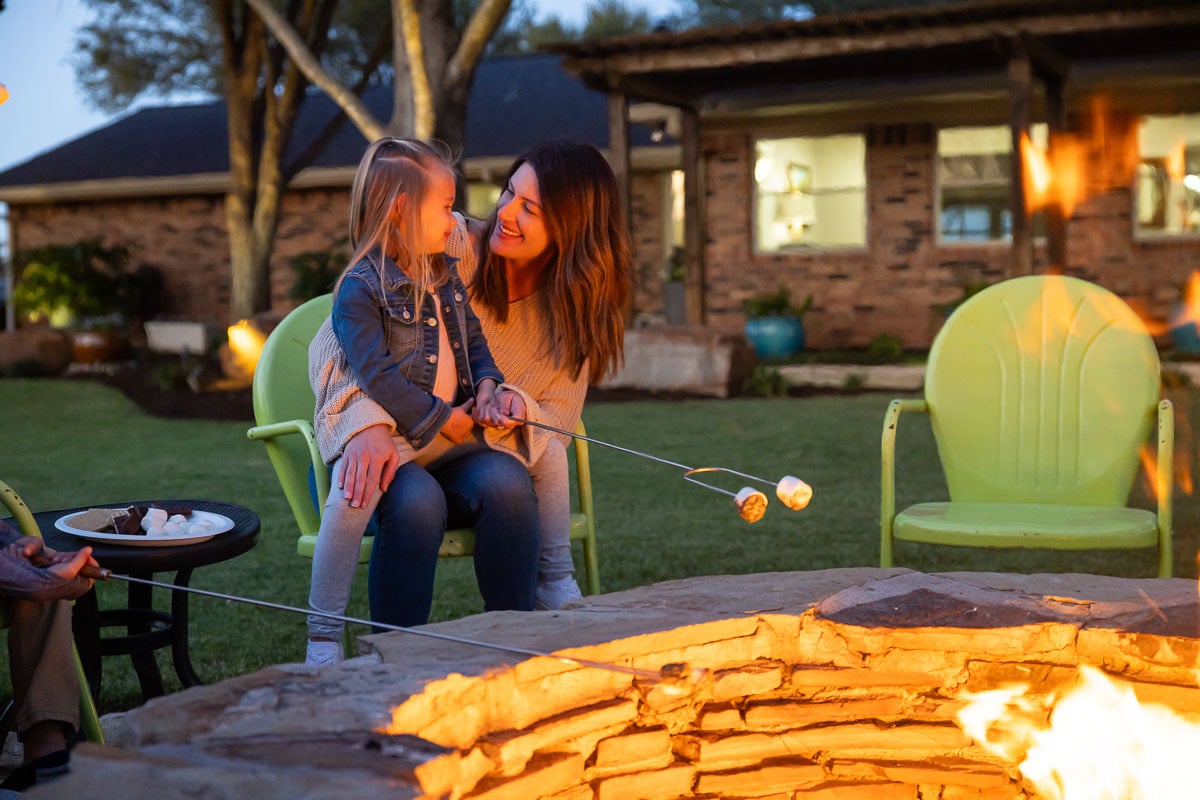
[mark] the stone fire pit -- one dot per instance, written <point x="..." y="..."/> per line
<point x="831" y="684"/>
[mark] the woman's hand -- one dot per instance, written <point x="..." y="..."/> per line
<point x="510" y="404"/>
<point x="495" y="409"/>
<point x="368" y="462"/>
<point x="486" y="410"/>
<point x="68" y="565"/>
<point x="30" y="548"/>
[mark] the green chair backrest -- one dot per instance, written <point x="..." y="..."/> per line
<point x="1042" y="389"/>
<point x="281" y="392"/>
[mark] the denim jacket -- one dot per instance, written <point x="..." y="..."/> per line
<point x="392" y="349"/>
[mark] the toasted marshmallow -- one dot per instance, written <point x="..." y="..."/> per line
<point x="793" y="492"/>
<point x="751" y="504"/>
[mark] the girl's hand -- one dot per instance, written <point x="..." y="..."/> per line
<point x="460" y="426"/>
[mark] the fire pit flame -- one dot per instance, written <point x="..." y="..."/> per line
<point x="1094" y="741"/>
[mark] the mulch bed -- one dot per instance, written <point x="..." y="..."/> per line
<point x="137" y="382"/>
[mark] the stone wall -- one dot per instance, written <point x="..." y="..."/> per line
<point x="825" y="685"/>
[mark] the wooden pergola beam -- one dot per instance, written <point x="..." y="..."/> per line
<point x="645" y="59"/>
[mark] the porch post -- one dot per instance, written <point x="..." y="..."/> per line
<point x="1056" y="222"/>
<point x="1020" y="100"/>
<point x="693" y="216"/>
<point x="618" y="148"/>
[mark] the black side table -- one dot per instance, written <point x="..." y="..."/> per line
<point x="147" y="629"/>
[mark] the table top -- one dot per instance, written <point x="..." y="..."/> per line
<point x="144" y="560"/>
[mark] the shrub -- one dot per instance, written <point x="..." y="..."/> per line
<point x="317" y="271"/>
<point x="885" y="349"/>
<point x="65" y="283"/>
<point x="766" y="382"/>
<point x="775" y="304"/>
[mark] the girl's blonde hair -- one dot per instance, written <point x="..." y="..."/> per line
<point x="587" y="278"/>
<point x="392" y="167"/>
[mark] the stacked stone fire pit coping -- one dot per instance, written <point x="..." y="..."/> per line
<point x="827" y="684"/>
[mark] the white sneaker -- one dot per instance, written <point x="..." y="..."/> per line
<point x="553" y="595"/>
<point x="321" y="653"/>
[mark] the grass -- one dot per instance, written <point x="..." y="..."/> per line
<point x="74" y="443"/>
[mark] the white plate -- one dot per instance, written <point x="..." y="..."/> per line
<point x="222" y="522"/>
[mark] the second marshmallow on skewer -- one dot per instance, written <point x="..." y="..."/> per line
<point x="793" y="492"/>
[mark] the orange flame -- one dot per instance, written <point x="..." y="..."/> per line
<point x="1037" y="173"/>
<point x="1090" y="742"/>
<point x="1055" y="179"/>
<point x="1157" y="484"/>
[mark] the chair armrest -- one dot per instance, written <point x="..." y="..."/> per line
<point x="1165" y="487"/>
<point x="887" y="481"/>
<point x="304" y="429"/>
<point x="22" y="516"/>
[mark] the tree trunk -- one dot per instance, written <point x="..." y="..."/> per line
<point x="263" y="95"/>
<point x="430" y="101"/>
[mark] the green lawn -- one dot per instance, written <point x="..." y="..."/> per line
<point x="74" y="443"/>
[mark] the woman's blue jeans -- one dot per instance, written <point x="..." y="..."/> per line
<point x="486" y="490"/>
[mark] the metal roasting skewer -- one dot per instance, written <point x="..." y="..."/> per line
<point x="751" y="504"/>
<point x="670" y="673"/>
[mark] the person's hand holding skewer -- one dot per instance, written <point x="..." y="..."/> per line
<point x="507" y="404"/>
<point x="66" y="565"/>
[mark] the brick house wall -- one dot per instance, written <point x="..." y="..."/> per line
<point x="184" y="238"/>
<point x="899" y="283"/>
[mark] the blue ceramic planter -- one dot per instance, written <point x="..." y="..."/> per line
<point x="1185" y="333"/>
<point x="775" y="337"/>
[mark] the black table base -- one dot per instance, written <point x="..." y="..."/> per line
<point x="145" y="628"/>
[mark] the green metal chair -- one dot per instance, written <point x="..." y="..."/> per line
<point x="1041" y="393"/>
<point x="89" y="719"/>
<point x="283" y="411"/>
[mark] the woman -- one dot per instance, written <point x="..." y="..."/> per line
<point x="549" y="277"/>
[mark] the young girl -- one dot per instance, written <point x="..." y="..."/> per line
<point x="410" y="340"/>
<point x="550" y="280"/>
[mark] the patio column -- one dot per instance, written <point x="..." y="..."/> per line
<point x="618" y="147"/>
<point x="1056" y="222"/>
<point x="693" y="215"/>
<point x="1020" y="101"/>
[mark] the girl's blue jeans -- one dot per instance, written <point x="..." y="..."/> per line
<point x="486" y="490"/>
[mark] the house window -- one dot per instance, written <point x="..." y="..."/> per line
<point x="481" y="199"/>
<point x="975" y="183"/>
<point x="1167" y="192"/>
<point x="810" y="191"/>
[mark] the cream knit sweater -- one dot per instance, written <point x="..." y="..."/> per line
<point x="551" y="394"/>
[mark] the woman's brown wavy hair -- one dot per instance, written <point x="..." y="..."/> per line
<point x="586" y="280"/>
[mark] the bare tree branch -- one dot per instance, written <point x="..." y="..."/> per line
<point x="480" y="28"/>
<point x="423" y="113"/>
<point x="354" y="107"/>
